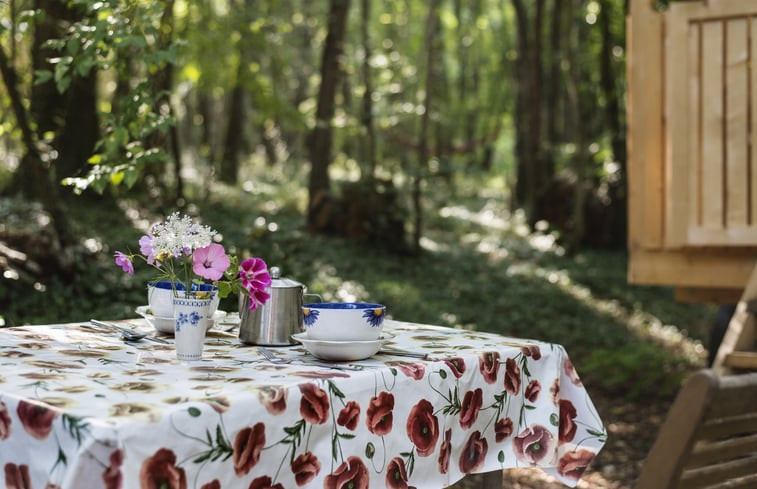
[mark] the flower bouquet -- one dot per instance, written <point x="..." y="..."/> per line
<point x="183" y="253"/>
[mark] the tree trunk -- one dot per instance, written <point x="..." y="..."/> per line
<point x="32" y="162"/>
<point x="234" y="131"/>
<point x="552" y="89"/>
<point x="320" y="138"/>
<point x="613" y="116"/>
<point x="609" y="89"/>
<point x="71" y="117"/>
<point x="369" y="140"/>
<point x="423" y="142"/>
<point x="577" y="227"/>
<point x="531" y="173"/>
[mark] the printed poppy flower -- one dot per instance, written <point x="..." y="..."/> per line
<point x="532" y="390"/>
<point x="534" y="445"/>
<point x="410" y="369"/>
<point x="37" y="419"/>
<point x="214" y="484"/>
<point x="220" y="404"/>
<point x="488" y="364"/>
<point x="5" y="422"/>
<point x="445" y="451"/>
<point x="112" y="476"/>
<point x="554" y="391"/>
<point x="570" y="371"/>
<point x="210" y="261"/>
<point x="124" y="262"/>
<point x="160" y="471"/>
<point x="568" y="427"/>
<point x="502" y="429"/>
<point x="456" y="366"/>
<point x="471" y="405"/>
<point x="351" y="474"/>
<point x="349" y="415"/>
<point x="265" y="482"/>
<point x="474" y="453"/>
<point x="378" y="416"/>
<point x="273" y="398"/>
<point x="512" y="376"/>
<point x="305" y="467"/>
<point x="532" y="351"/>
<point x="17" y="476"/>
<point x="423" y="427"/>
<point x="314" y="405"/>
<point x="396" y="474"/>
<point x="573" y="463"/>
<point x="247" y="447"/>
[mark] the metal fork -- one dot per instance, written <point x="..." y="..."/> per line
<point x="271" y="357"/>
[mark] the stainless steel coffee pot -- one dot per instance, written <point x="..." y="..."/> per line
<point x="278" y="319"/>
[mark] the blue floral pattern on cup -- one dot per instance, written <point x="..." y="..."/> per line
<point x="184" y="319"/>
<point x="374" y="316"/>
<point x="309" y="316"/>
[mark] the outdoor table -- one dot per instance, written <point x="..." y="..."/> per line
<point x="80" y="408"/>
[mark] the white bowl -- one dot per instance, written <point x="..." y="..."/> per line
<point x="160" y="298"/>
<point x="343" y="321"/>
<point x="165" y="325"/>
<point x="339" y="350"/>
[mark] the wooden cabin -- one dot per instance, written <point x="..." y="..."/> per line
<point x="692" y="168"/>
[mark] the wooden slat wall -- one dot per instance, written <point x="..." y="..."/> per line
<point x="645" y="174"/>
<point x="691" y="127"/>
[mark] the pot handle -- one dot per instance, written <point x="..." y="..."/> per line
<point x="315" y="295"/>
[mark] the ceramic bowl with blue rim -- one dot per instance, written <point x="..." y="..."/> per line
<point x="160" y="297"/>
<point x="343" y="321"/>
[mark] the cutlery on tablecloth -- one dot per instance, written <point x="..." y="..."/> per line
<point x="388" y="350"/>
<point x="271" y="357"/>
<point x="127" y="334"/>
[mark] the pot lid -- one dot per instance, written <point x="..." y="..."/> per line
<point x="279" y="282"/>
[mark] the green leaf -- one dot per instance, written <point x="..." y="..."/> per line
<point x="203" y="457"/>
<point x="554" y="419"/>
<point x="194" y="412"/>
<point x="42" y="76"/>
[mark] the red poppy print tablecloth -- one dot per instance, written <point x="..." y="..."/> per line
<point x="79" y="408"/>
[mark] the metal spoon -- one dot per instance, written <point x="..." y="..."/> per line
<point x="126" y="334"/>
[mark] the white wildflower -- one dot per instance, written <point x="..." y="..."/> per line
<point x="178" y="236"/>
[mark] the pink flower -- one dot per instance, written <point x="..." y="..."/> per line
<point x="255" y="278"/>
<point x="254" y="274"/>
<point x="124" y="262"/>
<point x="257" y="298"/>
<point x="210" y="261"/>
<point x="146" y="248"/>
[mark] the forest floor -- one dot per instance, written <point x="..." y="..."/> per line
<point x="632" y="345"/>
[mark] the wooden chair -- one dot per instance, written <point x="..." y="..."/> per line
<point x="738" y="350"/>
<point x="709" y="438"/>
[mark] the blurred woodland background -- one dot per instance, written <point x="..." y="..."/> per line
<point x="461" y="161"/>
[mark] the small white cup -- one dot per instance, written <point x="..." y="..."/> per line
<point x="190" y="323"/>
